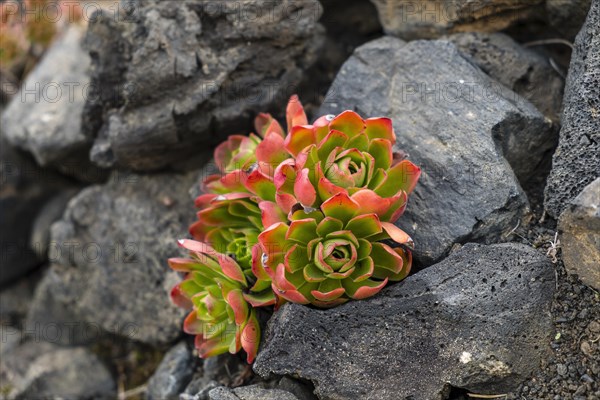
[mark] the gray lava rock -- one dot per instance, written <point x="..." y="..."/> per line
<point x="173" y="374"/>
<point x="44" y="118"/>
<point x="433" y="18"/>
<point x="567" y="16"/>
<point x="459" y="126"/>
<point x="110" y="252"/>
<point x="178" y="79"/>
<point x="576" y="162"/>
<point x="216" y="371"/>
<point x="15" y="299"/>
<point x="53" y="315"/>
<point x="526" y="72"/>
<point x="478" y="320"/>
<point x="253" y="392"/>
<point x="24" y="190"/>
<point x="43" y="371"/>
<point x="579" y="225"/>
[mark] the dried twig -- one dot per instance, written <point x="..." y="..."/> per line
<point x="133" y="392"/>
<point x="545" y="42"/>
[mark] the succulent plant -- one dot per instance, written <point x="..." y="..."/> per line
<point x="305" y="217"/>
<point x="346" y="154"/>
<point x="328" y="256"/>
<point x="216" y="291"/>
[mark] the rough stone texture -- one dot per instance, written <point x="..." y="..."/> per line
<point x="52" y="313"/>
<point x="576" y="162"/>
<point x="110" y="251"/>
<point x="478" y="320"/>
<point x="178" y="79"/>
<point x="44" y="118"/>
<point x="39" y="370"/>
<point x="24" y="190"/>
<point x="51" y="212"/>
<point x="216" y="371"/>
<point x="253" y="392"/>
<point x="567" y="16"/>
<point x="433" y="18"/>
<point x="458" y="125"/>
<point x="15" y="299"/>
<point x="173" y="374"/>
<point x="526" y="72"/>
<point x="579" y="225"/>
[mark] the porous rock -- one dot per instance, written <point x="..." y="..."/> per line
<point x="576" y="162"/>
<point x="478" y="320"/>
<point x="253" y="392"/>
<point x="110" y="254"/>
<point x="459" y="126"/>
<point x="44" y="118"/>
<point x="432" y="18"/>
<point x="567" y="16"/>
<point x="579" y="225"/>
<point x="527" y="73"/>
<point x="173" y="374"/>
<point x="42" y="370"/>
<point x="173" y="80"/>
<point x="25" y="189"/>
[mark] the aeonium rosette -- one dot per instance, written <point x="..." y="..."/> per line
<point x="330" y="255"/>
<point x="305" y="217"/>
<point x="216" y="291"/>
<point x="346" y="154"/>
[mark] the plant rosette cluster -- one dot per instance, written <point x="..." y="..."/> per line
<point x="305" y="216"/>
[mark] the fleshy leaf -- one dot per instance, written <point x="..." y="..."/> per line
<point x="380" y="128"/>
<point x="340" y="207"/>
<point x="250" y="338"/>
<point x="262" y="299"/>
<point x="271" y="213"/>
<point x="365" y="225"/>
<point x="295" y="114"/>
<point x="348" y="122"/>
<point x="304" y="189"/>
<point x="299" y="138"/>
<point x="238" y="304"/>
<point x="402" y="176"/>
<point x="364" y="289"/>
<point x="381" y="150"/>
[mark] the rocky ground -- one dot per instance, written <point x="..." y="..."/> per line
<point x="497" y="101"/>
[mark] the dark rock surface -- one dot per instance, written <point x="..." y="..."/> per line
<point x="45" y="117"/>
<point x="41" y="370"/>
<point x="178" y="79"/>
<point x="53" y="314"/>
<point x="24" y="190"/>
<point x="576" y="162"/>
<point x="222" y="370"/>
<point x="567" y="16"/>
<point x="478" y="320"/>
<point x="458" y="125"/>
<point x="253" y="392"/>
<point x="579" y="225"/>
<point x="110" y="251"/>
<point x="173" y="374"/>
<point x="526" y="72"/>
<point x="432" y="18"/>
<point x="15" y="299"/>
